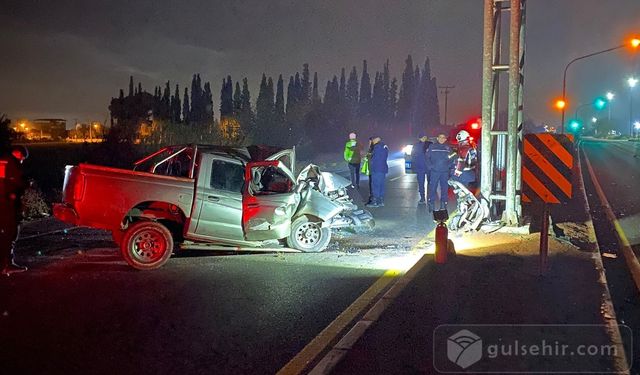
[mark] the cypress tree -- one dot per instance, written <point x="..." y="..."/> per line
<point x="246" y="116"/>
<point x="176" y="106"/>
<point x="378" y="99"/>
<point x="165" y="111"/>
<point x="315" y="97"/>
<point x="226" y="98"/>
<point x="237" y="99"/>
<point x="305" y="95"/>
<point x="195" y="101"/>
<point x="407" y="95"/>
<point x="130" y="85"/>
<point x="342" y="90"/>
<point x="365" y="91"/>
<point x="352" y="92"/>
<point x="264" y="109"/>
<point x="393" y="98"/>
<point x="291" y="98"/>
<point x="279" y="106"/>
<point x="185" y="107"/>
<point x="208" y="103"/>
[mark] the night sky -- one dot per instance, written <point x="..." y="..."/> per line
<point x="68" y="58"/>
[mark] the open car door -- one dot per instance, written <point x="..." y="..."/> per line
<point x="269" y="200"/>
<point x="287" y="157"/>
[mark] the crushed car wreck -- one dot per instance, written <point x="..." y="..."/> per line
<point x="197" y="195"/>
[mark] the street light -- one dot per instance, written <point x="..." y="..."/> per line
<point x="594" y="120"/>
<point x="632" y="82"/>
<point x="634" y="43"/>
<point x="610" y="97"/>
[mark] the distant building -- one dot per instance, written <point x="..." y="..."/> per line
<point x="48" y="128"/>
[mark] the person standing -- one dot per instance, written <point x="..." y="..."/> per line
<point x="379" y="169"/>
<point x="419" y="164"/>
<point x="440" y="158"/>
<point x="353" y="156"/>
<point x="465" y="170"/>
<point x="12" y="187"/>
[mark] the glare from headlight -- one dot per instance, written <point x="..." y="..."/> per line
<point x="407" y="149"/>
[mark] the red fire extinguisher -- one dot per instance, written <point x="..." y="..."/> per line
<point x="441" y="242"/>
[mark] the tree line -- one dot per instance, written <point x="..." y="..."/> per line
<point x="351" y="101"/>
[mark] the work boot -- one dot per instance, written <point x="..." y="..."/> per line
<point x="372" y="204"/>
<point x="13" y="268"/>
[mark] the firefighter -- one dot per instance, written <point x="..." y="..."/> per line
<point x="419" y="164"/>
<point x="440" y="158"/>
<point x="465" y="170"/>
<point x="12" y="187"/>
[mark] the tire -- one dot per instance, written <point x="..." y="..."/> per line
<point x="146" y="245"/>
<point x="308" y="236"/>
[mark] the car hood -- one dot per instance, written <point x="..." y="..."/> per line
<point x="327" y="181"/>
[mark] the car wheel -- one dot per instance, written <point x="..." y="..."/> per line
<point x="146" y="245"/>
<point x="308" y="236"/>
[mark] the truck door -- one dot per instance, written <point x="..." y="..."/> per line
<point x="269" y="200"/>
<point x="218" y="208"/>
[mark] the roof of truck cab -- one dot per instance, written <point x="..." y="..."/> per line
<point x="249" y="153"/>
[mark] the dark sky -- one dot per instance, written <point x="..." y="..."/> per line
<point x="68" y="58"/>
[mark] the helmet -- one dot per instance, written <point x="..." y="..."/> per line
<point x="462" y="135"/>
<point x="21" y="151"/>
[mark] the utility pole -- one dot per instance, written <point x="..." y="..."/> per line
<point x="445" y="90"/>
<point x="507" y="145"/>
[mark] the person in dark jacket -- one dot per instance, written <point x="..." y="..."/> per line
<point x="419" y="164"/>
<point x="440" y="158"/>
<point x="12" y="187"/>
<point x="378" y="168"/>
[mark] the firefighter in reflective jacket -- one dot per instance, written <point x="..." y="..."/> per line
<point x="12" y="186"/>
<point x="465" y="171"/>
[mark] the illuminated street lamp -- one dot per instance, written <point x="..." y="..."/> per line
<point x="634" y="43"/>
<point x="594" y="120"/>
<point x="609" y="97"/>
<point x="632" y="82"/>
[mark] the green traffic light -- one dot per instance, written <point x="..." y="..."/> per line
<point x="600" y="103"/>
<point x="575" y="125"/>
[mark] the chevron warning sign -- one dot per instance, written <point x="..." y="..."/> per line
<point x="547" y="163"/>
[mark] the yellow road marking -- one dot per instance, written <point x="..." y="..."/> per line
<point x="329" y="335"/>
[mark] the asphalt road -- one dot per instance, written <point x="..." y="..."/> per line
<point x="81" y="309"/>
<point x="618" y="173"/>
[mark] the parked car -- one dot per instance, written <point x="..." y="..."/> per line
<point x="201" y="195"/>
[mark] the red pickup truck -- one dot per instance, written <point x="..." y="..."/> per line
<point x="202" y="195"/>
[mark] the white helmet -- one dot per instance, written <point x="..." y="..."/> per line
<point x="462" y="135"/>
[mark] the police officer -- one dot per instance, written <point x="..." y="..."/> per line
<point x="465" y="171"/>
<point x="12" y="187"/>
<point x="419" y="164"/>
<point x="379" y="169"/>
<point x="440" y="158"/>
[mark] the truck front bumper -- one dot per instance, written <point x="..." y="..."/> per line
<point x="65" y="213"/>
